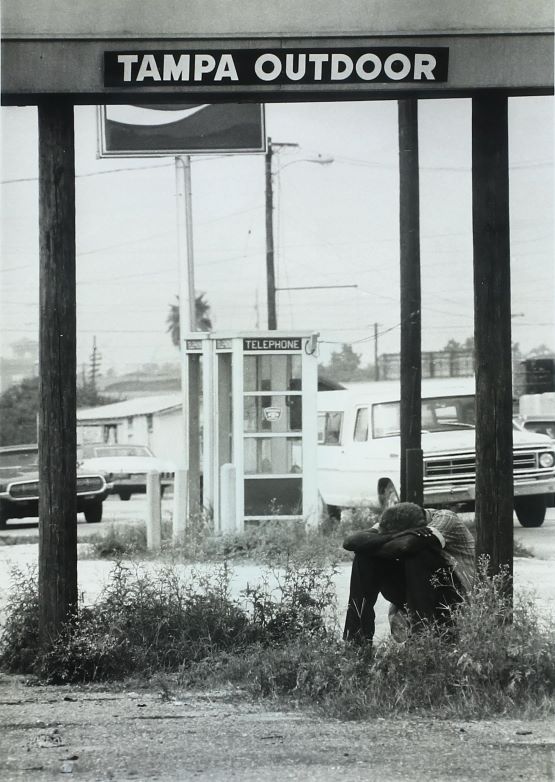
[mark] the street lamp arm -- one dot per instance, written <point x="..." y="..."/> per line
<point x="322" y="160"/>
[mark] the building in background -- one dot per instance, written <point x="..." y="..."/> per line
<point x="155" y="421"/>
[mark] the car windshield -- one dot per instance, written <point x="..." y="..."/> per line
<point x="439" y="414"/>
<point x="119" y="450"/>
<point x="28" y="458"/>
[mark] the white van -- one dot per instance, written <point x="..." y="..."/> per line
<point x="359" y="449"/>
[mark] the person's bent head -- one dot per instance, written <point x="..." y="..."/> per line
<point x="403" y="516"/>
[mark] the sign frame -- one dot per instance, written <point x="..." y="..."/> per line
<point x="104" y="152"/>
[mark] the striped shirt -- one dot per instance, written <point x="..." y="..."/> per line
<point x="456" y="541"/>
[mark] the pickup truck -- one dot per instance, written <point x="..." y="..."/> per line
<point x="359" y="450"/>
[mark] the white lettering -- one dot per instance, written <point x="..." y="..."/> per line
<point x="176" y="71"/>
<point x="318" y="60"/>
<point x="424" y="65"/>
<point x="148" y="69"/>
<point x="341" y="67"/>
<point x="267" y="59"/>
<point x="226" y="69"/>
<point x="204" y="63"/>
<point x="394" y="74"/>
<point x="290" y="71"/>
<point x="127" y="60"/>
<point x="375" y="71"/>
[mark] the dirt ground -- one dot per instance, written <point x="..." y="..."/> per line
<point x="99" y="734"/>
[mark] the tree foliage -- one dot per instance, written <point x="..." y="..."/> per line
<point x="19" y="406"/>
<point x="344" y="366"/>
<point x="202" y="315"/>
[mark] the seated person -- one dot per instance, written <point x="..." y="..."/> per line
<point x="420" y="560"/>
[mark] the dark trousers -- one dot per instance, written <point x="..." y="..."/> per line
<point x="422" y="583"/>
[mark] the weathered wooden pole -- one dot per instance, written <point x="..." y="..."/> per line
<point x="270" y="261"/>
<point x="57" y="369"/>
<point x="492" y="330"/>
<point x="411" y="372"/>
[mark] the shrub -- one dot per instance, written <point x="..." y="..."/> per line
<point x="19" y="642"/>
<point x="493" y="659"/>
<point x="157" y="619"/>
<point x="302" y="603"/>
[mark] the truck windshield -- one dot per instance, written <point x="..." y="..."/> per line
<point x="439" y="414"/>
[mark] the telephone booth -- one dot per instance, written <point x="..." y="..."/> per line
<point x="258" y="426"/>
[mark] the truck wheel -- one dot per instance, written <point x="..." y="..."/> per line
<point x="389" y="496"/>
<point x="530" y="511"/>
<point x="124" y="495"/>
<point x="93" y="513"/>
<point x="3" y="518"/>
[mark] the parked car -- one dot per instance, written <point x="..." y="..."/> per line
<point x="19" y="486"/>
<point x="125" y="466"/>
<point x="359" y="450"/>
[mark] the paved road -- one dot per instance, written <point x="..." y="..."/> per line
<point x="115" y="512"/>
<point x="540" y="540"/>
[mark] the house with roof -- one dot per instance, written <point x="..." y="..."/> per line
<point x="155" y="421"/>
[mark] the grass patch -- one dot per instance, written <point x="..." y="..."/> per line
<point x="151" y="620"/>
<point x="268" y="541"/>
<point x="262" y="542"/>
<point x="495" y="659"/>
<point x="280" y="640"/>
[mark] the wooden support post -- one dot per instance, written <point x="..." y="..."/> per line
<point x="411" y="372"/>
<point x="492" y="330"/>
<point x="57" y="369"/>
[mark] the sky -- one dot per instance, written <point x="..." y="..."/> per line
<point x="335" y="224"/>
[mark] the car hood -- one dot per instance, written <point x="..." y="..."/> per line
<point x="465" y="439"/>
<point x="126" y="464"/>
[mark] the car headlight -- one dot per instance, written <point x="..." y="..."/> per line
<point x="546" y="460"/>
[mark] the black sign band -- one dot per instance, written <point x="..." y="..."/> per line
<point x="243" y="67"/>
<point x="272" y="343"/>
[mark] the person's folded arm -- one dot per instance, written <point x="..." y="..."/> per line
<point x="367" y="541"/>
<point x="408" y="543"/>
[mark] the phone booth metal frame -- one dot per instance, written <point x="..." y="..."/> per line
<point x="259" y="426"/>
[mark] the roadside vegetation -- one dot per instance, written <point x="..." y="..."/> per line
<point x="264" y="541"/>
<point x="281" y="640"/>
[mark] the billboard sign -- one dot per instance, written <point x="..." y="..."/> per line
<point x="181" y="129"/>
<point x="352" y="65"/>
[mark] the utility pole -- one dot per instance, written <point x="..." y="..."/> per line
<point x="190" y="364"/>
<point x="376" y="364"/>
<point x="94" y="370"/>
<point x="256" y="310"/>
<point x="270" y="260"/>
<point x="270" y="264"/>
<point x="411" y="352"/>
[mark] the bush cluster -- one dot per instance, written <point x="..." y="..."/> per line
<point x="494" y="658"/>
<point x="281" y="640"/>
<point x="152" y="620"/>
<point x="264" y="542"/>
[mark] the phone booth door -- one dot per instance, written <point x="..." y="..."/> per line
<point x="279" y="381"/>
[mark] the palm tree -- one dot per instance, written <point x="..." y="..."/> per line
<point x="202" y="317"/>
